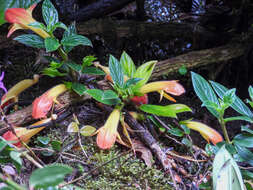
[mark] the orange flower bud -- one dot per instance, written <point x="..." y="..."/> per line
<point x="43" y="104"/>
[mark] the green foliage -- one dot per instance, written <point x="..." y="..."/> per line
<point x="116" y="71"/>
<point x="50" y="175"/>
<point x="205" y="92"/>
<point x="9" y="154"/>
<point x="166" y="111"/>
<point x="31" y="40"/>
<point x="51" y="44"/>
<point x="127" y="64"/>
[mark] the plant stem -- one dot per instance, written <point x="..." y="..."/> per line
<point x="63" y="54"/>
<point x="11" y="183"/>
<point x="225" y="133"/>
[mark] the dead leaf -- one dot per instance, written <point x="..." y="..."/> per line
<point x="146" y="154"/>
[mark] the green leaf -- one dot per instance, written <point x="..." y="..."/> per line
<point x="79" y="88"/>
<point x="226" y="173"/>
<point x="16" y="156"/>
<point x="245" y="154"/>
<point x="98" y="95"/>
<point x="186" y="129"/>
<point x="116" y="71"/>
<point x="87" y="130"/>
<point x="51" y="44"/>
<point x="211" y="105"/>
<point x="243" y="118"/>
<point x="176" y="132"/>
<point x="92" y="71"/>
<point x="166" y="111"/>
<point x="49" y="13"/>
<point x="245" y="140"/>
<point x="243" y="128"/>
<point x="75" y="40"/>
<point x="50" y="175"/>
<point x="130" y="82"/>
<point x="229" y="96"/>
<point x="144" y="72"/>
<point x="4" y="4"/>
<point x="238" y="104"/>
<point x="58" y="25"/>
<point x="71" y="30"/>
<point x="56" y="145"/>
<point x="31" y="40"/>
<point x="187" y="142"/>
<point x="3" y="144"/>
<point x="73" y="66"/>
<point x="204" y="91"/>
<point x="127" y="64"/>
<point x="38" y="25"/>
<point x="87" y="61"/>
<point x="109" y="94"/>
<point x="43" y="140"/>
<point x="251" y="92"/>
<point x="52" y="72"/>
<point x="247" y="174"/>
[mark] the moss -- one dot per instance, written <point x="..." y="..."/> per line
<point x="126" y="172"/>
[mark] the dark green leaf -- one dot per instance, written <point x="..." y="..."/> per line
<point x="43" y="140"/>
<point x="92" y="71"/>
<point x="176" y="132"/>
<point x="247" y="174"/>
<point x="3" y="144"/>
<point x="109" y="94"/>
<point x="238" y="104"/>
<point x="229" y="96"/>
<point x="130" y="82"/>
<point x="247" y="129"/>
<point x="6" y="4"/>
<point x="245" y="140"/>
<point x="59" y="25"/>
<point x="166" y="111"/>
<point x="31" y="40"/>
<point x="251" y="92"/>
<point x="245" y="154"/>
<point x="127" y="64"/>
<point x="74" y="66"/>
<point x="116" y="71"/>
<point x="51" y="44"/>
<point x="204" y="91"/>
<point x="75" y="40"/>
<point x="71" y="30"/>
<point x="98" y="95"/>
<point x="50" y="14"/>
<point x="79" y="88"/>
<point x="50" y="175"/>
<point x="56" y="145"/>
